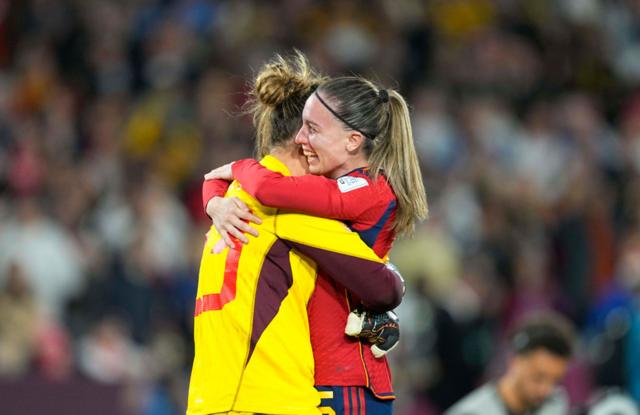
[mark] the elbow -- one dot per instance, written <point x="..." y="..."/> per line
<point x="388" y="296"/>
<point x="386" y="300"/>
<point x="395" y="297"/>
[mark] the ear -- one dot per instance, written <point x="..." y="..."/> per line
<point x="354" y="141"/>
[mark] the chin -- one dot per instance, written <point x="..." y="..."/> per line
<point x="313" y="169"/>
<point x="536" y="403"/>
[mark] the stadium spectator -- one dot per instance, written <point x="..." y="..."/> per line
<point x="542" y="346"/>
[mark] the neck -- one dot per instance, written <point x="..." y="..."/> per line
<point x="507" y="391"/>
<point x="291" y="156"/>
<point x="350" y="165"/>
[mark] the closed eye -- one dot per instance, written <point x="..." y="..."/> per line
<point x="312" y="128"/>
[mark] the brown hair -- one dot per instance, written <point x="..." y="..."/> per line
<point x="277" y="99"/>
<point x="382" y="116"/>
<point x="544" y="330"/>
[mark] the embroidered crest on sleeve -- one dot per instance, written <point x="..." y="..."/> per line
<point x="348" y="183"/>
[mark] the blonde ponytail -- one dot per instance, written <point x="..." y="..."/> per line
<point x="395" y="155"/>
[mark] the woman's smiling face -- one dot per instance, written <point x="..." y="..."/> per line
<point x="324" y="139"/>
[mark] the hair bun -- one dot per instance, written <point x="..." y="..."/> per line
<point x="278" y="81"/>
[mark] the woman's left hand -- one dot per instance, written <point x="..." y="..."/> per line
<point x="222" y="172"/>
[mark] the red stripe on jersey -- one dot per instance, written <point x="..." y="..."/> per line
<point x="363" y="406"/>
<point x="216" y="301"/>
<point x="345" y="397"/>
<point x="356" y="407"/>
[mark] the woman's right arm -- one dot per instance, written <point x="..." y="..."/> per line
<point x="310" y="194"/>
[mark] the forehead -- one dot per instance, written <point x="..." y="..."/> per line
<point x="314" y="111"/>
<point x="541" y="360"/>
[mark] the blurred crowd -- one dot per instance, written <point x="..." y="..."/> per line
<point x="525" y="116"/>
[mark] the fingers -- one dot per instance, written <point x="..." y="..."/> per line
<point x="242" y="212"/>
<point x="231" y="218"/>
<point x="237" y="233"/>
<point x="228" y="231"/>
<point x="213" y="174"/>
<point x="249" y="217"/>
<point x="250" y="230"/>
<point x="240" y="204"/>
<point x="226" y="238"/>
<point x="219" y="246"/>
<point x="237" y="228"/>
<point x="223" y="172"/>
<point x="243" y="226"/>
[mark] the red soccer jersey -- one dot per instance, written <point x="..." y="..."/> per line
<point x="368" y="208"/>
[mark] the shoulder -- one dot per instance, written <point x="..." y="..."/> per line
<point x="483" y="400"/>
<point x="350" y="183"/>
<point x="360" y="179"/>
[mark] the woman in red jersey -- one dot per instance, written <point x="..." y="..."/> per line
<point x="358" y="142"/>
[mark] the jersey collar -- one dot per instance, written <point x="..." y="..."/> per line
<point x="274" y="164"/>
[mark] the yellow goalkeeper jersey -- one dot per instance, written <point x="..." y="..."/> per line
<point x="251" y="329"/>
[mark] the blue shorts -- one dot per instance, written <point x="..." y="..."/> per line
<point x="352" y="400"/>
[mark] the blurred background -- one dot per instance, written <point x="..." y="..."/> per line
<point x="526" y="117"/>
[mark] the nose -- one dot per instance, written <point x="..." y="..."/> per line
<point x="301" y="137"/>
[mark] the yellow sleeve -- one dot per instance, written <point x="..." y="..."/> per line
<point x="344" y="257"/>
<point x="323" y="233"/>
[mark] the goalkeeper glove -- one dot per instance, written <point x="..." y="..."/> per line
<point x="380" y="329"/>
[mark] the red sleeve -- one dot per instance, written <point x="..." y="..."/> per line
<point x="211" y="189"/>
<point x="310" y="194"/>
